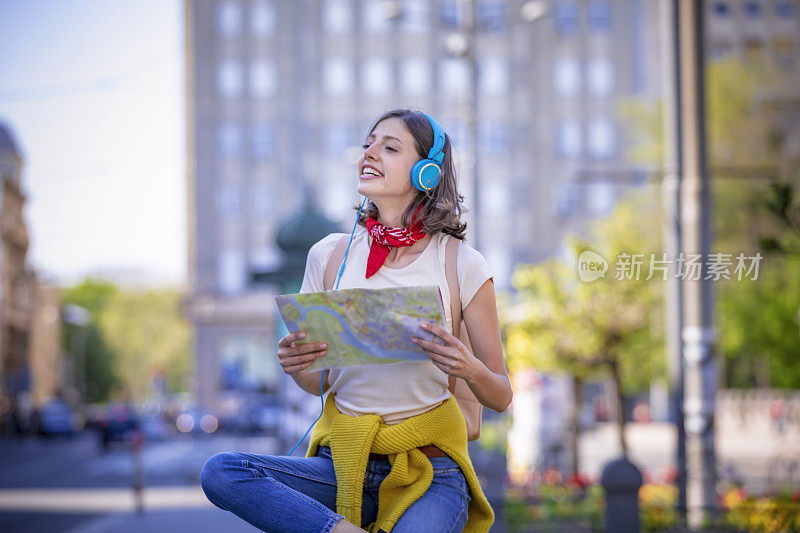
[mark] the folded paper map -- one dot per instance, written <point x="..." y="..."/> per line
<point x="364" y="326"/>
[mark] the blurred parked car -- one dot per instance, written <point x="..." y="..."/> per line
<point x="121" y="419"/>
<point x="56" y="418"/>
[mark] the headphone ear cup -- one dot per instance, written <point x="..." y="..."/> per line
<point x="425" y="175"/>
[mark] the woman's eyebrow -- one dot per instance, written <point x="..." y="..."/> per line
<point x="386" y="137"/>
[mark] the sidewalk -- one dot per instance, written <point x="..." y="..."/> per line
<point x="196" y="520"/>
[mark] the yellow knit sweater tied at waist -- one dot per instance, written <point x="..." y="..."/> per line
<point x="352" y="439"/>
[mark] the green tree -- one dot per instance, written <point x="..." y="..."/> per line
<point x="148" y="334"/>
<point x="610" y="326"/>
<point x="758" y="319"/>
<point x="101" y="376"/>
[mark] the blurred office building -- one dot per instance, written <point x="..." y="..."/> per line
<point x="32" y="369"/>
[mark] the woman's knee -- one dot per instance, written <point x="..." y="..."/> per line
<point x="215" y="475"/>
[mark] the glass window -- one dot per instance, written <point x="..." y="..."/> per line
<point x="375" y="16"/>
<point x="494" y="138"/>
<point x="263" y="79"/>
<point x="229" y="140"/>
<point x="229" y="198"/>
<point x="600" y="197"/>
<point x="568" y="138"/>
<point x="262" y="142"/>
<point x="720" y="49"/>
<point x="416" y="16"/>
<point x="784" y="9"/>
<point x="262" y="198"/>
<point x="459" y="135"/>
<point x="493" y="76"/>
<point x="497" y="200"/>
<point x="337" y="138"/>
<point x="752" y="9"/>
<point x="567" y="199"/>
<point x="601" y="77"/>
<point x="492" y="15"/>
<point x="337" y="77"/>
<point x="454" y="77"/>
<point x="600" y="15"/>
<point x="337" y="16"/>
<point x="499" y="261"/>
<point x="602" y="141"/>
<point x="567" y="76"/>
<point x="262" y="18"/>
<point x="229" y="18"/>
<point x="230" y="271"/>
<point x="450" y="13"/>
<point x="415" y="76"/>
<point x="376" y="76"/>
<point x="566" y="18"/>
<point x="721" y="9"/>
<point x="229" y="79"/>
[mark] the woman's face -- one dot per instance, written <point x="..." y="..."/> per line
<point x="384" y="169"/>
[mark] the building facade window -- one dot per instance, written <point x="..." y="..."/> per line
<point x="416" y="16"/>
<point x="602" y="140"/>
<point x="492" y="16"/>
<point x="229" y="79"/>
<point x="493" y="137"/>
<point x="262" y="198"/>
<point x="567" y="76"/>
<point x="262" y="142"/>
<point x="263" y="79"/>
<point x="566" y="17"/>
<point x="229" y="195"/>
<point x="337" y="77"/>
<point x="601" y="76"/>
<point x="567" y="199"/>
<point x="450" y="13"/>
<point x="752" y="9"/>
<point x="229" y="18"/>
<point x="337" y="138"/>
<point x="493" y="76"/>
<point x="230" y="271"/>
<point x="600" y="198"/>
<point x="337" y="16"/>
<point x="376" y="77"/>
<point x="784" y="9"/>
<point x="229" y="140"/>
<point x="453" y="77"/>
<point x="568" y="139"/>
<point x="262" y="18"/>
<point x="415" y="76"/>
<point x="600" y="16"/>
<point x="375" y="16"/>
<point x="721" y="9"/>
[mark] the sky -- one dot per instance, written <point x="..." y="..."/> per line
<point x="93" y="92"/>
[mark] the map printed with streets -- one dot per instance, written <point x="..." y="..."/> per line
<point x="364" y="326"/>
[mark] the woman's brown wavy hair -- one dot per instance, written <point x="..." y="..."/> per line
<point x="442" y="207"/>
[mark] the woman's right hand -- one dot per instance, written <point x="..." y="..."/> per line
<point x="295" y="357"/>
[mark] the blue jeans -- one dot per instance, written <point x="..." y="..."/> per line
<point x="287" y="494"/>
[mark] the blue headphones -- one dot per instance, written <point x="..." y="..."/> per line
<point x="425" y="173"/>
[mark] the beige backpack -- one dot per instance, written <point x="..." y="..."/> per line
<point x="471" y="408"/>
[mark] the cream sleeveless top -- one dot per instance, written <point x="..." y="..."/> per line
<point x="395" y="391"/>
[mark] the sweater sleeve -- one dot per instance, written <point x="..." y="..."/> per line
<point x="473" y="272"/>
<point x="316" y="262"/>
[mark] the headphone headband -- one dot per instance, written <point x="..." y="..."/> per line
<point x="437" y="150"/>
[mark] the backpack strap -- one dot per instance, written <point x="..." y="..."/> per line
<point x="334" y="263"/>
<point x="451" y="273"/>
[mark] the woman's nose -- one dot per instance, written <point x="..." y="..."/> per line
<point x="370" y="152"/>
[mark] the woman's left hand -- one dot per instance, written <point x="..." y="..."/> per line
<point x="453" y="357"/>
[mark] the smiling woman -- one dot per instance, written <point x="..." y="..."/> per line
<point x="389" y="452"/>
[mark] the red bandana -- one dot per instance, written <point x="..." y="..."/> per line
<point x="383" y="239"/>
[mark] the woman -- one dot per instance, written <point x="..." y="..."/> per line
<point x="399" y="461"/>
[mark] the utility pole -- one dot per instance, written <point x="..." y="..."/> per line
<point x="698" y="333"/>
<point x="671" y="200"/>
